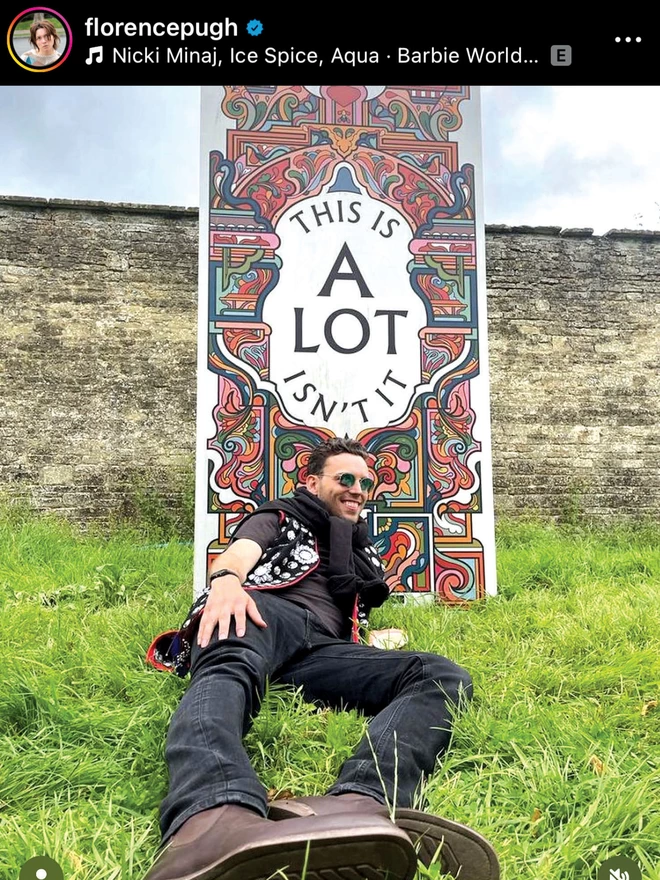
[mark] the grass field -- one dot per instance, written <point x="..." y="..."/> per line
<point x="557" y="760"/>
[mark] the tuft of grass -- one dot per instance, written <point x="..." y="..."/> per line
<point x="161" y="504"/>
<point x="556" y="760"/>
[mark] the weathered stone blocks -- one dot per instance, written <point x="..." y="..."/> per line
<point x="98" y="310"/>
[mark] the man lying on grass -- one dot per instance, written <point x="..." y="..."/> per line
<point x="284" y="601"/>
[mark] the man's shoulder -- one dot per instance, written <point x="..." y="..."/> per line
<point x="262" y="526"/>
<point x="285" y="503"/>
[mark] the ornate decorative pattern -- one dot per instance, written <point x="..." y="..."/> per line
<point x="430" y="112"/>
<point x="404" y="545"/>
<point x="248" y="343"/>
<point x="396" y="452"/>
<point x="284" y="147"/>
<point x="439" y="349"/>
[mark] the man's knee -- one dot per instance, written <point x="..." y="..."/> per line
<point x="454" y="682"/>
<point x="225" y="659"/>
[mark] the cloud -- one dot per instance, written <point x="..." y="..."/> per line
<point x="573" y="156"/>
<point x="132" y="144"/>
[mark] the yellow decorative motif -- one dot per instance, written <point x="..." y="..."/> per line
<point x="345" y="138"/>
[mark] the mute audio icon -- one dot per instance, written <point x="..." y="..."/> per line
<point x="619" y="868"/>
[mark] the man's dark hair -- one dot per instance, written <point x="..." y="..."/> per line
<point x="336" y="446"/>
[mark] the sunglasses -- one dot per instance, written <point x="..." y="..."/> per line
<point x="348" y="481"/>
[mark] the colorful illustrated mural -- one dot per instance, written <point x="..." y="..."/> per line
<point x="343" y="294"/>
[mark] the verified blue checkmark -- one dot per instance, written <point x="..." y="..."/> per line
<point x="254" y="27"/>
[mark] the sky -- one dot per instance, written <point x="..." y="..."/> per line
<point x="561" y="156"/>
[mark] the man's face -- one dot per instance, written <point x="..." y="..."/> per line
<point x="346" y="501"/>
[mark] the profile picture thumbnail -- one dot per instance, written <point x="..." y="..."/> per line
<point x="39" y="39"/>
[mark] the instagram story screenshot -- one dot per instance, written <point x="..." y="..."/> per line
<point x="329" y="461"/>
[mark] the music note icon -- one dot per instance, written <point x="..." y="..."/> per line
<point x="95" y="54"/>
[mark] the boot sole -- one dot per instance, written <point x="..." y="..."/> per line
<point x="464" y="853"/>
<point x="367" y="851"/>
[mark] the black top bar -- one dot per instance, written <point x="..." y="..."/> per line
<point x="202" y="45"/>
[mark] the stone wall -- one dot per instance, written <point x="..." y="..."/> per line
<point x="97" y="374"/>
<point x="98" y="334"/>
<point x="574" y="327"/>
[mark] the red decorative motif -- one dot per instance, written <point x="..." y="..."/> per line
<point x="249" y="344"/>
<point x="441" y="294"/>
<point x="451" y="442"/>
<point x="240" y="438"/>
<point x="439" y="349"/>
<point x="247" y="289"/>
<point x="344" y="96"/>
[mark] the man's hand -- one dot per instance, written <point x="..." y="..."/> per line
<point x="227" y="599"/>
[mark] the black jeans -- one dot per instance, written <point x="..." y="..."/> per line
<point x="410" y="695"/>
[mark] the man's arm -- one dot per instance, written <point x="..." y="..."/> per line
<point x="227" y="597"/>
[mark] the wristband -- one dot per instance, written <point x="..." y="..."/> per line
<point x="222" y="572"/>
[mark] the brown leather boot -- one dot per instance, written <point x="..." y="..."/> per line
<point x="234" y="843"/>
<point x="463" y="852"/>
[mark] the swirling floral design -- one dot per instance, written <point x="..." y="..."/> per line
<point x="439" y="349"/>
<point x="443" y="295"/>
<point x="395" y="453"/>
<point x="417" y="196"/>
<point x="293" y="444"/>
<point x="399" y="147"/>
<point x="404" y="546"/>
<point x="451" y="440"/>
<point x="225" y="508"/>
<point x="454" y="578"/>
<point x="255" y="155"/>
<point x="269" y="188"/>
<point x="431" y="164"/>
<point x="280" y="183"/>
<point x="239" y="417"/>
<point x="310" y="170"/>
<point x="380" y="172"/>
<point x="227" y="197"/>
<point x="258" y="108"/>
<point x="249" y="344"/>
<point x="450" y="525"/>
<point x="461" y="206"/>
<point x="430" y="112"/>
<point x="245" y="288"/>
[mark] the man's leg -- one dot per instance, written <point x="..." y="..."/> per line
<point x="412" y="697"/>
<point x="213" y="819"/>
<point x="207" y="762"/>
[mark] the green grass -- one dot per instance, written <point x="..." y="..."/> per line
<point x="554" y="760"/>
<point x="25" y="25"/>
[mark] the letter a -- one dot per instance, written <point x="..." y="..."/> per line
<point x="353" y="275"/>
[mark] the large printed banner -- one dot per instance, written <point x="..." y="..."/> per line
<point x="342" y="293"/>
